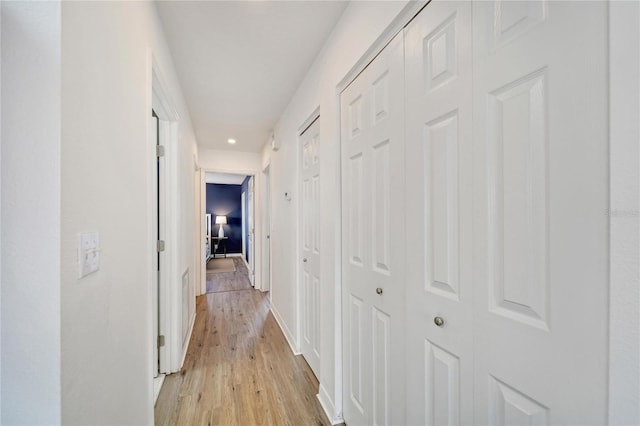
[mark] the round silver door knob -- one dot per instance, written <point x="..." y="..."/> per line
<point x="438" y="321"/>
<point x="379" y="290"/>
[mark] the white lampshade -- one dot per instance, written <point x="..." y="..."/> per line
<point x="221" y="220"/>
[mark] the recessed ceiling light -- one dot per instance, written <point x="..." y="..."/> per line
<point x="231" y="141"/>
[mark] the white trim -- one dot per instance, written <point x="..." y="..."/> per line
<point x="327" y="405"/>
<point x="411" y="9"/>
<point x="244" y="259"/>
<point x="170" y="289"/>
<point x="198" y="250"/>
<point x="315" y="115"/>
<point x="157" y="386"/>
<point x="265" y="270"/>
<point x="203" y="217"/>
<point x="243" y="200"/>
<point x="285" y="330"/>
<point x="188" y="339"/>
<point x="337" y="278"/>
<point x="232" y="255"/>
<point x="309" y="121"/>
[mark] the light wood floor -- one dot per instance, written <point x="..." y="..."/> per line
<point x="227" y="281"/>
<point x="239" y="370"/>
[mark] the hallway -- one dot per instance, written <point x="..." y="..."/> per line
<point x="456" y="242"/>
<point x="239" y="370"/>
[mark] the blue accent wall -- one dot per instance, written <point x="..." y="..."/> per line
<point x="245" y="189"/>
<point x="225" y="200"/>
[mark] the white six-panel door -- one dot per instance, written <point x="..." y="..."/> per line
<point x="439" y="183"/>
<point x="540" y="230"/>
<point x="373" y="255"/>
<point x="310" y="241"/>
<point x="504" y="276"/>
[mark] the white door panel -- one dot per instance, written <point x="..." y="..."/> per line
<point x="310" y="174"/>
<point x="486" y="231"/>
<point x="373" y="188"/>
<point x="438" y="215"/>
<point x="540" y="164"/>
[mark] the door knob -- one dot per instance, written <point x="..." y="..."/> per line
<point x="379" y="290"/>
<point x="304" y="260"/>
<point x="438" y="321"/>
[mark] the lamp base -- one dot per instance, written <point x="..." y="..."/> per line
<point x="221" y="232"/>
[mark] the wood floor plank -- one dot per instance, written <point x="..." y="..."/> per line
<point x="239" y="370"/>
<point x="229" y="281"/>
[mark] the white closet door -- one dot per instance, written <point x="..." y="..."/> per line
<point x="310" y="161"/>
<point x="439" y="215"/>
<point x="540" y="240"/>
<point x="373" y="243"/>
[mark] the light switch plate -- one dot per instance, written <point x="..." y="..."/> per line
<point x="88" y="253"/>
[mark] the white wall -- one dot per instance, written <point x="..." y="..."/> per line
<point x="231" y="161"/>
<point x="30" y="226"/>
<point x="106" y="102"/>
<point x="360" y="25"/>
<point x="624" y="214"/>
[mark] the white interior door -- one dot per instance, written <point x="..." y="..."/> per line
<point x="310" y="243"/>
<point x="372" y="128"/>
<point x="251" y="232"/>
<point x="160" y="227"/>
<point x="439" y="214"/>
<point x="156" y="275"/>
<point x="540" y="231"/>
<point x="266" y="281"/>
<point x="243" y="200"/>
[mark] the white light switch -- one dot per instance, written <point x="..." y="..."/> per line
<point x="89" y="253"/>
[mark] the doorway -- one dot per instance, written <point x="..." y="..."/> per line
<point x="266" y="254"/>
<point x="159" y="231"/>
<point x="228" y="206"/>
<point x="310" y="241"/>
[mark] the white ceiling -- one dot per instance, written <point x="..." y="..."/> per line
<point x="239" y="62"/>
<point x="224" y="178"/>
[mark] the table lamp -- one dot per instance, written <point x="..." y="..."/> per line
<point x="221" y="220"/>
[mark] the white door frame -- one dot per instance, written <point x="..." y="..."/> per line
<point x="243" y="200"/>
<point x="314" y="116"/>
<point x="299" y="252"/>
<point x="171" y="354"/>
<point x="201" y="215"/>
<point x="266" y="221"/>
<point x="199" y="228"/>
<point x="251" y="229"/>
<point x="399" y="22"/>
<point x="258" y="233"/>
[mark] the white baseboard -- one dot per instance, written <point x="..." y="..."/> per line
<point x="244" y="259"/>
<point x="327" y="405"/>
<point x="157" y="385"/>
<point x="285" y="330"/>
<point x="186" y="345"/>
<point x="252" y="277"/>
